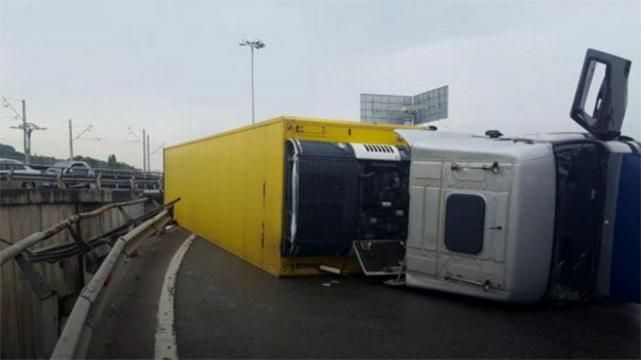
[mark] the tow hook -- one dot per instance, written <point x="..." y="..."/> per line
<point x="487" y="286"/>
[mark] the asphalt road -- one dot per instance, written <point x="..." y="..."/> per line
<point x="127" y="327"/>
<point x="227" y="308"/>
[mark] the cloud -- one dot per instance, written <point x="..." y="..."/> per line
<point x="520" y="82"/>
<point x="176" y="69"/>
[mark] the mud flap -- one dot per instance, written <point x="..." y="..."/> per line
<point x="380" y="257"/>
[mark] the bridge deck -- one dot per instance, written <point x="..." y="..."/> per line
<point x="226" y="308"/>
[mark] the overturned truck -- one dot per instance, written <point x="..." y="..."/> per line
<point x="552" y="217"/>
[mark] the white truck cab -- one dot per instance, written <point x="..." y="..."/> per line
<point x="481" y="215"/>
<point x="550" y="217"/>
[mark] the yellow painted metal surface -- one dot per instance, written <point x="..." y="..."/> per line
<point x="231" y="185"/>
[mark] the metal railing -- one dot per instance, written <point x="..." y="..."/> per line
<point x="18" y="247"/>
<point x="98" y="180"/>
<point x="120" y="240"/>
<point x="98" y="170"/>
<point x="75" y="337"/>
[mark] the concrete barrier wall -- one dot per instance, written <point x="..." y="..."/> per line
<point x="31" y="322"/>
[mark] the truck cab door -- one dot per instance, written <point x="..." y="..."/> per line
<point x="474" y="222"/>
<point x="601" y="95"/>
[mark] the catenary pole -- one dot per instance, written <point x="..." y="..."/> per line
<point x="27" y="156"/>
<point x="148" y="155"/>
<point x="144" y="151"/>
<point x="70" y="140"/>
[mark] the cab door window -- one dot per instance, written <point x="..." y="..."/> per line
<point x="464" y="223"/>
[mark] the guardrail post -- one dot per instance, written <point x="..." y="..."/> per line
<point x="124" y="214"/>
<point x="76" y="234"/>
<point x="61" y="185"/>
<point x="48" y="320"/>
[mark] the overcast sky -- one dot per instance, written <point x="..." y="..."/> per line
<point x="175" y="67"/>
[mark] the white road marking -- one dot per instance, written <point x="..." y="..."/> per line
<point x="165" y="347"/>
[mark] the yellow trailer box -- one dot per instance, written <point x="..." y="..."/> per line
<point x="232" y="186"/>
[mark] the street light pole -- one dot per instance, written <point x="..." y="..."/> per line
<point x="255" y="44"/>
<point x="252" y="71"/>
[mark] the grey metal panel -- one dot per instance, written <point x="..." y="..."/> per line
<point x="431" y="223"/>
<point x="520" y="212"/>
<point x="400" y="109"/>
<point x="466" y="147"/>
<point x="388" y="109"/>
<point x="531" y="218"/>
<point x="431" y="105"/>
<point x="415" y="230"/>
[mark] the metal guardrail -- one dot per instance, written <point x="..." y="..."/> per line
<point x="117" y="180"/>
<point x="120" y="240"/>
<point x="99" y="170"/>
<point x="19" y="246"/>
<point x="75" y="337"/>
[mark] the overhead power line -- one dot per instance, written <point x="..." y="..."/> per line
<point x="159" y="147"/>
<point x="7" y="105"/>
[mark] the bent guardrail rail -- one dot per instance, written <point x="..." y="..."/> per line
<point x="102" y="253"/>
<point x="75" y="337"/>
<point x="21" y="245"/>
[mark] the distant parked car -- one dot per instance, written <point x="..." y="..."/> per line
<point x="71" y="167"/>
<point x="8" y="166"/>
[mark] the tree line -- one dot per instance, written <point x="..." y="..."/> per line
<point x="9" y="152"/>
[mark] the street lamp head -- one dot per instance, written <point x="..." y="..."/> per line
<point x="255" y="44"/>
